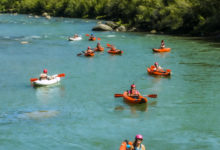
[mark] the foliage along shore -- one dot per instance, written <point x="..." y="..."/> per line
<point x="193" y="17"/>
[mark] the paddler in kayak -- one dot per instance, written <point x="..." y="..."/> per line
<point x="113" y="48"/>
<point x="133" y="92"/>
<point x="89" y="50"/>
<point x="162" y="44"/>
<point x="98" y="46"/>
<point x="157" y="67"/>
<point x="137" y="143"/>
<point x="44" y="76"/>
<point x="75" y="36"/>
<point x="91" y="37"/>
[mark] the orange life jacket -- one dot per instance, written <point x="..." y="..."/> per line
<point x="124" y="144"/>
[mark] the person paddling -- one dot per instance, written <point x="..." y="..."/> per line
<point x="89" y="50"/>
<point x="137" y="143"/>
<point x="44" y="76"/>
<point x="157" y="67"/>
<point x="133" y="92"/>
<point x="162" y="44"/>
<point x="75" y="36"/>
<point x="91" y="37"/>
<point x="98" y="45"/>
<point x="113" y="48"/>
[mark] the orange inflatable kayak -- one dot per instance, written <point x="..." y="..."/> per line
<point x="162" y="73"/>
<point x="162" y="50"/>
<point x="89" y="54"/>
<point x="92" y="39"/>
<point x="115" y="52"/>
<point x="124" y="144"/>
<point x="138" y="100"/>
<point x="99" y="49"/>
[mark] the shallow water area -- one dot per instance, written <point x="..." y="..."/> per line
<point x="81" y="112"/>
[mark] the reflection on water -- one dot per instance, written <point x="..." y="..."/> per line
<point x="46" y="93"/>
<point x="133" y="107"/>
<point x="161" y="55"/>
<point x="136" y="107"/>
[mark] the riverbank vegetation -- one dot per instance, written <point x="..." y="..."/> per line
<point x="195" y="17"/>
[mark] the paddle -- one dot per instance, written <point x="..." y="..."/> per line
<point x="59" y="75"/>
<point x="80" y="53"/>
<point x="151" y="95"/>
<point x="97" y="38"/>
<point x="168" y="70"/>
<point x="118" y="95"/>
<point x="108" y="45"/>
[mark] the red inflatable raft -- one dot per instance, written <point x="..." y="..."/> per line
<point x="92" y="39"/>
<point x="89" y="54"/>
<point x="99" y="49"/>
<point x="162" y="72"/>
<point x="115" y="51"/>
<point x="161" y="50"/>
<point x="138" y="100"/>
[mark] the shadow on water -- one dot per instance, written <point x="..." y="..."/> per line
<point x="215" y="41"/>
<point x="200" y="64"/>
<point x="161" y="55"/>
<point x="12" y="117"/>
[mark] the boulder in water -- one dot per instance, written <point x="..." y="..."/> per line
<point x="41" y="114"/>
<point x="111" y="24"/>
<point x="121" y="28"/>
<point x="102" y="27"/>
<point x="153" y="31"/>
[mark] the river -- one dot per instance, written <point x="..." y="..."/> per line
<point x="81" y="111"/>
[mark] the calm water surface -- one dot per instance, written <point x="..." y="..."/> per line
<point x="81" y="112"/>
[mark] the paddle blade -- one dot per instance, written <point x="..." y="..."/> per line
<point x="108" y="45"/>
<point x="79" y="54"/>
<point x="61" y="75"/>
<point x="33" y="79"/>
<point x="87" y="35"/>
<point x="168" y="70"/>
<point x="118" y="95"/>
<point x="98" y="39"/>
<point x="152" y="95"/>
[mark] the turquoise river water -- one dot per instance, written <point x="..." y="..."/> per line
<point x="81" y="112"/>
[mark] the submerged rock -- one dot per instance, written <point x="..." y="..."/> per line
<point x="41" y="114"/>
<point x="24" y="42"/>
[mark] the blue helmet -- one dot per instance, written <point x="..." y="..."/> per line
<point x="128" y="146"/>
